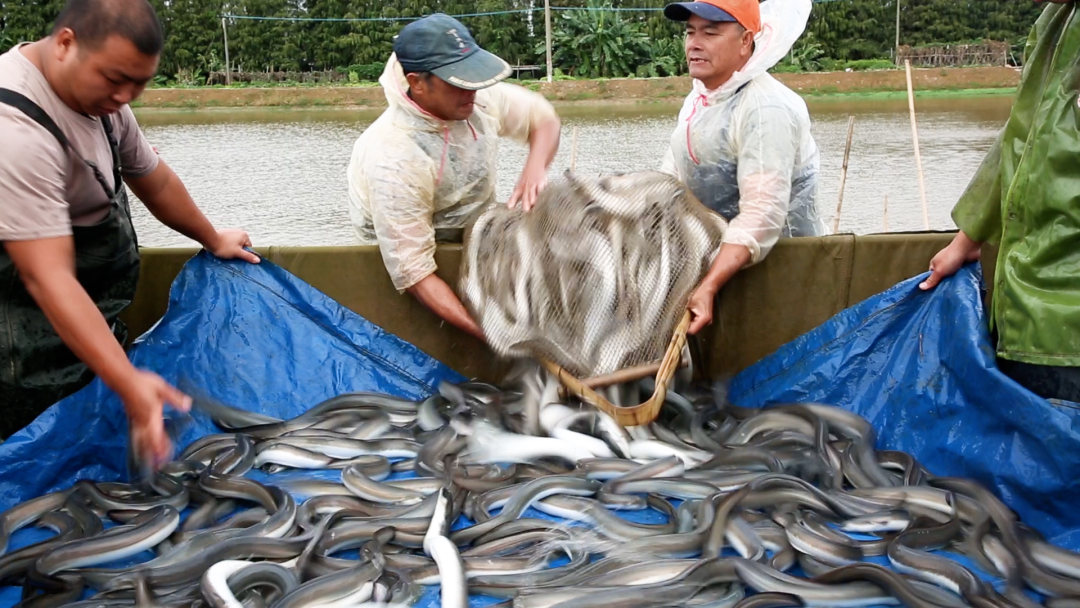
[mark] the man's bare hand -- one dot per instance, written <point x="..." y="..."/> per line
<point x="229" y="244"/>
<point x="701" y="309"/>
<point x="949" y="260"/>
<point x="533" y="181"/>
<point x="144" y="395"/>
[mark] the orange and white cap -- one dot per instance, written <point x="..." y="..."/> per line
<point x="744" y="12"/>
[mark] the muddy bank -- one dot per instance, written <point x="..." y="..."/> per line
<point x="630" y="90"/>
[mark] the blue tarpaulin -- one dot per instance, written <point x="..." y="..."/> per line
<point x="918" y="365"/>
<point x="253" y="336"/>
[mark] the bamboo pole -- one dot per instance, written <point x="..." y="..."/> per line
<point x="573" y="150"/>
<point x="627" y="374"/>
<point x="843" y="174"/>
<point x="915" y="139"/>
<point x="885" y="213"/>
<point x="228" y="70"/>
<point x="638" y="414"/>
<point x="547" y="37"/>
<point x="896" y="48"/>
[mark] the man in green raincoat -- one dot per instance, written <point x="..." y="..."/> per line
<point x="1026" y="197"/>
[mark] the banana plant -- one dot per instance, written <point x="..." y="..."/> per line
<point x="598" y="43"/>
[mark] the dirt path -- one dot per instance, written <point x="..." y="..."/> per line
<point x="630" y="90"/>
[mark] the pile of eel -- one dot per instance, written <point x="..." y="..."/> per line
<point x="515" y="494"/>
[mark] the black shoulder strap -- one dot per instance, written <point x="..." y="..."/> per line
<point x="22" y="103"/>
<point x="37" y="114"/>
<point x="114" y="148"/>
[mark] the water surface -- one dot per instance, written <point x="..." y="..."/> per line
<point x="280" y="173"/>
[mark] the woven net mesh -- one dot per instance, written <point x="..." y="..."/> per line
<point x="596" y="276"/>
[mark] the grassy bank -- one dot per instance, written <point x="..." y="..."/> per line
<point x="930" y="94"/>
<point x="880" y="84"/>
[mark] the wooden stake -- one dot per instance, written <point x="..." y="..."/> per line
<point x="843" y="174"/>
<point x="885" y="213"/>
<point x="915" y="139"/>
<point x="573" y="150"/>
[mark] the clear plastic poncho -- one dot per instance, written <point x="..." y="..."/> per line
<point x="745" y="149"/>
<point x="415" y="179"/>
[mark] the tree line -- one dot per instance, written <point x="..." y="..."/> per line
<point x="592" y="43"/>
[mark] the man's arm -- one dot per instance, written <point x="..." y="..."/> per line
<point x="35" y="228"/>
<point x="398" y="192"/>
<point x="47" y="268"/>
<point x="526" y="116"/>
<point x="767" y="141"/>
<point x="730" y="260"/>
<point x="543" y="145"/>
<point x="166" y="197"/>
<point x="750" y="236"/>
<point x="434" y="293"/>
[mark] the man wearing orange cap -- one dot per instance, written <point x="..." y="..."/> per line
<point x="743" y="142"/>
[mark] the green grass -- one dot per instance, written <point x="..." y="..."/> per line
<point x="579" y="96"/>
<point x="824" y="93"/>
<point x="661" y="94"/>
<point x="825" y="66"/>
<point x="269" y="85"/>
<point x="185" y="104"/>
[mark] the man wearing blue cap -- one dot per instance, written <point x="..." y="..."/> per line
<point x="427" y="166"/>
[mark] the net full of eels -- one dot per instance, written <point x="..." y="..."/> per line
<point x="596" y="276"/>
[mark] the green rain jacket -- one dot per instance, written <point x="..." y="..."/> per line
<point x="1026" y="197"/>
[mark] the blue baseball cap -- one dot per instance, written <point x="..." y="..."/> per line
<point x="681" y="11"/>
<point x="443" y="46"/>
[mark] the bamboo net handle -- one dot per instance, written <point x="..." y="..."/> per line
<point x="627" y="374"/>
<point x="638" y="414"/>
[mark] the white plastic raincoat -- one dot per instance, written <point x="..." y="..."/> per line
<point x="745" y="149"/>
<point x="414" y="177"/>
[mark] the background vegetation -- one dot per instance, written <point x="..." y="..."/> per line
<point x="857" y="34"/>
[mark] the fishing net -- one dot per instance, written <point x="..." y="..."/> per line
<point x="596" y="277"/>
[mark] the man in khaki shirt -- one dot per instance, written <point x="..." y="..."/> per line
<point x="426" y="168"/>
<point x="70" y="260"/>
